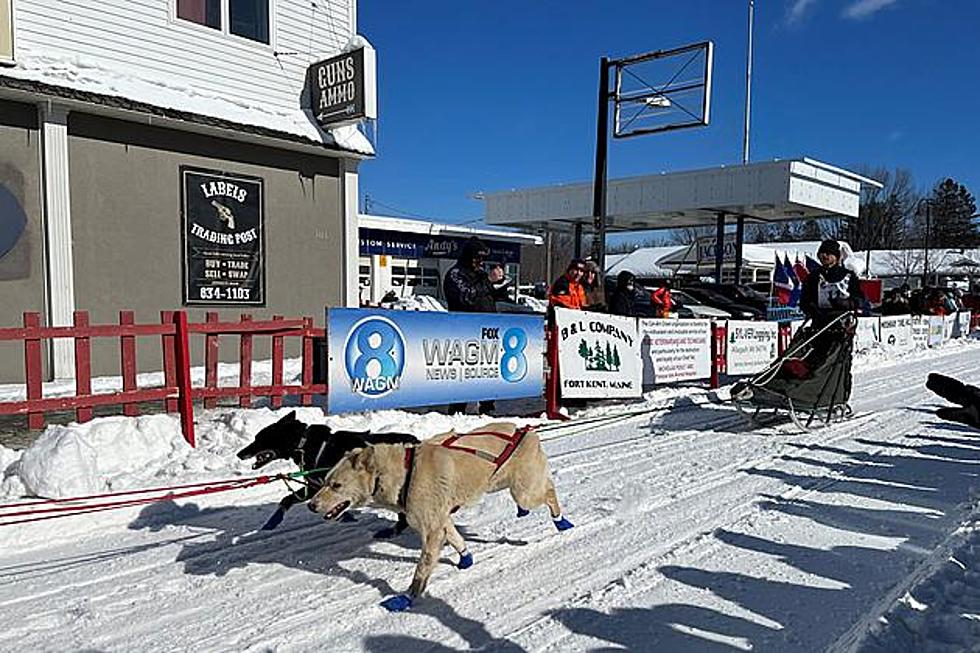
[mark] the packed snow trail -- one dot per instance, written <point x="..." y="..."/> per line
<point x="694" y="530"/>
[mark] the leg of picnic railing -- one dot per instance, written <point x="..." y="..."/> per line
<point x="83" y="367"/>
<point x="307" y="398"/>
<point x="277" y="355"/>
<point x="245" y="365"/>
<point x="182" y="353"/>
<point x="32" y="369"/>
<point x="211" y="360"/>
<point x="169" y="360"/>
<point x="127" y="361"/>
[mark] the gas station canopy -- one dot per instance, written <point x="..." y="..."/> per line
<point x="761" y="192"/>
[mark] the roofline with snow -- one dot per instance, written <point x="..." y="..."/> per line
<point x="30" y="91"/>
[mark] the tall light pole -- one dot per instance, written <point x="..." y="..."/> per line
<point x="740" y="220"/>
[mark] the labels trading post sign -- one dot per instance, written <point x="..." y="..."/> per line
<point x="223" y="258"/>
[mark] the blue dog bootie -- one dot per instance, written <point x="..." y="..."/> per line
<point x="522" y="512"/>
<point x="465" y="560"/>
<point x="397" y="603"/>
<point x="563" y="524"/>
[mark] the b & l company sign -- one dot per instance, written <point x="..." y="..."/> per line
<point x="343" y="88"/>
<point x="393" y="359"/>
<point x="599" y="355"/>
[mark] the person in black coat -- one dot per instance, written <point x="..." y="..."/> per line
<point x="957" y="392"/>
<point x="832" y="290"/>
<point x="467" y="286"/>
<point x="469" y="289"/>
<point x="623" y="299"/>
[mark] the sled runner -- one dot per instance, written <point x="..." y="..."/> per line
<point x="810" y="382"/>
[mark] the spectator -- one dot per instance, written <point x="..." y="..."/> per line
<point x="567" y="291"/>
<point x="499" y="283"/>
<point x="623" y="299"/>
<point x="469" y="289"/>
<point x="595" y="299"/>
<point x="661" y="300"/>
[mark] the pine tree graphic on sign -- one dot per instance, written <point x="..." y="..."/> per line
<point x="599" y="358"/>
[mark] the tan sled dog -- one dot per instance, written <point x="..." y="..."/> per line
<point x="431" y="481"/>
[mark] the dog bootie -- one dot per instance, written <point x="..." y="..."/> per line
<point x="522" y="512"/>
<point x="465" y="560"/>
<point x="275" y="519"/>
<point x="563" y="524"/>
<point x="397" y="603"/>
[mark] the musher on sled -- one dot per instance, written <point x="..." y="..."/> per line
<point x="814" y="373"/>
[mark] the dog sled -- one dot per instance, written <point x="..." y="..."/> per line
<point x="810" y="383"/>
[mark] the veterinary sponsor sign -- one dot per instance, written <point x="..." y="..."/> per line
<point x="599" y="355"/>
<point x="675" y="350"/>
<point x="393" y="359"/>
<point x="868" y="333"/>
<point x="920" y="331"/>
<point x="343" y="89"/>
<point x="937" y="330"/>
<point x="223" y="238"/>
<point x="751" y="346"/>
<point x="896" y="333"/>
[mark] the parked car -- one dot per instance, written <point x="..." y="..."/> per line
<point x="737" y="309"/>
<point x="740" y="294"/>
<point x="686" y="305"/>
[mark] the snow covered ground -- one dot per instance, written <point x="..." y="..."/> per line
<point x="694" y="531"/>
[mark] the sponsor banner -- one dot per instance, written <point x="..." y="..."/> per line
<point x="393" y="359"/>
<point x="896" y="333"/>
<point x="951" y="327"/>
<point x="937" y="330"/>
<point x="964" y="320"/>
<point x="675" y="350"/>
<point x="920" y="331"/>
<point x="868" y="333"/>
<point x="223" y="238"/>
<point x="598" y="355"/>
<point x="751" y="346"/>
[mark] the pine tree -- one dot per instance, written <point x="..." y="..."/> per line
<point x="609" y="357"/>
<point x="952" y="207"/>
<point x="600" y="357"/>
<point x="583" y="351"/>
<point x="616" y="357"/>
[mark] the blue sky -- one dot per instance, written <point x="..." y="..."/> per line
<point x="485" y="96"/>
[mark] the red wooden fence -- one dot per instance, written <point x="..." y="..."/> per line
<point x="177" y="392"/>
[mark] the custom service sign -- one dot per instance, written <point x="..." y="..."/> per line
<point x="393" y="359"/>
<point x="223" y="234"/>
<point x="598" y="355"/>
<point x="343" y="88"/>
<point x="752" y="346"/>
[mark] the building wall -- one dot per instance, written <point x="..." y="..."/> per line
<point x="22" y="280"/>
<point x="144" y="38"/>
<point x="126" y="225"/>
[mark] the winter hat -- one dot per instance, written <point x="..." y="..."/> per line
<point x="625" y="278"/>
<point x="829" y="246"/>
<point x="472" y="249"/>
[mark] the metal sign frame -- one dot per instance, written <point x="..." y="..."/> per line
<point x="666" y="93"/>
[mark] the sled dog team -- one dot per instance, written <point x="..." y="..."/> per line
<point x="424" y="482"/>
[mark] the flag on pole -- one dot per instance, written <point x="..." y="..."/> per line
<point x="812" y="265"/>
<point x="782" y="285"/>
<point x="797" y="291"/>
<point x="800" y="269"/>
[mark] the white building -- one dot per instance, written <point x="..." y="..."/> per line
<point x="160" y="154"/>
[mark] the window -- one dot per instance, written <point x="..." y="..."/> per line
<point x="248" y="19"/>
<point x="202" y="12"/>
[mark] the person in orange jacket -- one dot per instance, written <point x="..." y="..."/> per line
<point x="661" y="300"/>
<point x="567" y="291"/>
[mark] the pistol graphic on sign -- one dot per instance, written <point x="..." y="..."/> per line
<point x="224" y="214"/>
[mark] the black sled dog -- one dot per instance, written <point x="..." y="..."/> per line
<point x="967" y="396"/>
<point x="313" y="446"/>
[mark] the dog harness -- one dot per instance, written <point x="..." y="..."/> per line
<point x="513" y="441"/>
<point x="409" y="468"/>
